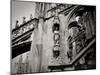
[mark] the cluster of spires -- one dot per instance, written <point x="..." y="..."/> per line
<point x="24" y="21"/>
<point x="23" y="67"/>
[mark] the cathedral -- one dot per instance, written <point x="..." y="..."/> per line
<point x="60" y="37"/>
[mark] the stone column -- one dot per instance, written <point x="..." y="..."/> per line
<point x="36" y="47"/>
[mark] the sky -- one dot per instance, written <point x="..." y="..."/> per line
<point x="21" y="9"/>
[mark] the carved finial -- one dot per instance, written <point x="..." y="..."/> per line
<point x="56" y="14"/>
<point x="21" y="59"/>
<point x="24" y="21"/>
<point x="17" y="23"/>
<point x="56" y="17"/>
<point x="31" y="17"/>
<point x="20" y="63"/>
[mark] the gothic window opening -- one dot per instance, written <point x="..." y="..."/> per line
<point x="56" y="38"/>
<point x="56" y="27"/>
<point x="56" y="51"/>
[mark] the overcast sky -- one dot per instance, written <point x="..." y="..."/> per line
<point x="20" y="9"/>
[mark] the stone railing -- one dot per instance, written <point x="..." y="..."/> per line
<point x="24" y="28"/>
